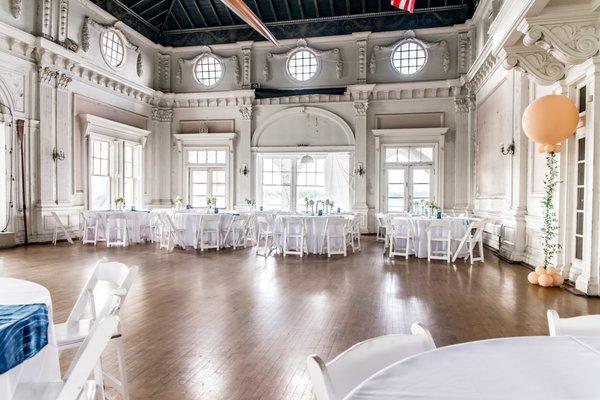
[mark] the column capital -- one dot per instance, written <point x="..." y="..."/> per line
<point x="160" y="114"/>
<point x="47" y="75"/>
<point x="246" y="112"/>
<point x="361" y="107"/>
<point x="63" y="81"/>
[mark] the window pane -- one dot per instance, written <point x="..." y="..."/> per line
<point x="421" y="191"/>
<point x="396" y="190"/>
<point x="99" y="193"/>
<point x="426" y="154"/>
<point x="199" y="176"/>
<point x="391" y="155"/>
<point x="396" y="176"/>
<point x="193" y="157"/>
<point x="221" y="157"/>
<point x="421" y="176"/>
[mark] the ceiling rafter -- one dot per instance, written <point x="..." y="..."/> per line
<point x="316" y="8"/>
<point x="332" y="9"/>
<point x="199" y="12"/>
<point x="287" y="9"/>
<point x="214" y="10"/>
<point x="258" y="14"/>
<point x="273" y="9"/>
<point x="162" y="27"/>
<point x="186" y="13"/>
<point x="301" y="10"/>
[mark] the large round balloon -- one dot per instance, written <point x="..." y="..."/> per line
<point x="550" y="120"/>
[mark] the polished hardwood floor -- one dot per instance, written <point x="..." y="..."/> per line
<point x="234" y="325"/>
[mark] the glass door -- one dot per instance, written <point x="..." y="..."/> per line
<point x="205" y="182"/>
<point x="420" y="184"/>
<point x="396" y="197"/>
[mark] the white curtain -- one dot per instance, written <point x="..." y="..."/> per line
<point x="337" y="180"/>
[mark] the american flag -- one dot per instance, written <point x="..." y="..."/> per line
<point x="406" y="5"/>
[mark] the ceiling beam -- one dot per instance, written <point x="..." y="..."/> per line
<point x="214" y="10"/>
<point x="152" y="7"/>
<point x="136" y="15"/>
<point x="316" y="8"/>
<point x="287" y="9"/>
<point x="199" y="12"/>
<point x="162" y="27"/>
<point x="273" y="10"/>
<point x="245" y="13"/>
<point x="347" y="7"/>
<point x="301" y="10"/>
<point x="258" y="10"/>
<point x="187" y="15"/>
<point x="332" y="8"/>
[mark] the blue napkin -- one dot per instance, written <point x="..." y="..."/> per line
<point x="23" y="333"/>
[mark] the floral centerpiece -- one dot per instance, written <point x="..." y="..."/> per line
<point x="211" y="202"/>
<point x="120" y="203"/>
<point x="250" y="203"/>
<point x="178" y="202"/>
<point x="432" y="206"/>
<point x="328" y="205"/>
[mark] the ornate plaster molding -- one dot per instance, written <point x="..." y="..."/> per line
<point x="63" y="20"/>
<point x="163" y="71"/>
<point x="409" y="36"/>
<point x="161" y="114"/>
<point x="302" y="44"/>
<point x="474" y="80"/>
<point x="246" y="112"/>
<point x="361" y="107"/>
<point x="63" y="81"/>
<point x="540" y="66"/>
<point x="47" y="75"/>
<point x="362" y="60"/>
<point x="204" y="51"/>
<point x="569" y="43"/>
<point x="464" y="52"/>
<point x="16" y="8"/>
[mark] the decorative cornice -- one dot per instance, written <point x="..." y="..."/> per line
<point x="233" y="98"/>
<point x="302" y="44"/>
<point x="162" y="114"/>
<point x="540" y="66"/>
<point x="409" y="36"/>
<point x="479" y="74"/>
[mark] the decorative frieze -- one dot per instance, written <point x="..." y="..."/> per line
<point x="464" y="52"/>
<point x="45" y="11"/>
<point x="16" y="8"/>
<point x="205" y="51"/>
<point x="63" y="20"/>
<point x="334" y="54"/>
<point x="85" y="34"/>
<point x="163" y="71"/>
<point x="161" y="114"/>
<point x="362" y="60"/>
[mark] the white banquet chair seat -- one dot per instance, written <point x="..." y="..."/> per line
<point x="584" y="325"/>
<point x="59" y="226"/>
<point x="439" y="234"/>
<point x="400" y="230"/>
<point x="90" y="227"/>
<point x="381" y="227"/>
<point x="169" y="235"/>
<point x="209" y="232"/>
<point x="264" y="232"/>
<point x="335" y="236"/>
<point x="472" y="238"/>
<point x="294" y="236"/>
<point x="337" y="378"/>
<point x="75" y="385"/>
<point x="117" y="233"/>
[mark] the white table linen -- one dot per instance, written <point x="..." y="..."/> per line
<point x="44" y="366"/>
<point x="458" y="227"/>
<point x="189" y="221"/>
<point x="136" y="221"/>
<point x="520" y="368"/>
<point x="315" y="230"/>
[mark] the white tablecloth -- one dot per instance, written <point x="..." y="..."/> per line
<point x="458" y="227"/>
<point x="44" y="366"/>
<point x="190" y="220"/>
<point x="523" y="368"/>
<point x="135" y="221"/>
<point x="315" y="229"/>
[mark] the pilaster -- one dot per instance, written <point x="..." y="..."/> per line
<point x="243" y="183"/>
<point x="159" y="155"/>
<point x="461" y="150"/>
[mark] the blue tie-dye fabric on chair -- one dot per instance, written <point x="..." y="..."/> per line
<point x="23" y="333"/>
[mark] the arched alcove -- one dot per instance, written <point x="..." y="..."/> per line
<point x="303" y="126"/>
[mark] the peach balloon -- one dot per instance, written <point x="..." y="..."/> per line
<point x="551" y="270"/>
<point x="550" y="119"/>
<point x="533" y="278"/>
<point x="540" y="270"/>
<point x="558" y="147"/>
<point x="545" y="280"/>
<point x="557" y="280"/>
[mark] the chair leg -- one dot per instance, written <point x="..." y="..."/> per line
<point x="99" y="378"/>
<point x="122" y="370"/>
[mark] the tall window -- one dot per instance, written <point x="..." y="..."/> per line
<point x="100" y="193"/>
<point x="579" y="198"/>
<point x="285" y="181"/>
<point x="276" y="183"/>
<point x="409" y="177"/>
<point x="115" y="171"/>
<point x="207" y="176"/>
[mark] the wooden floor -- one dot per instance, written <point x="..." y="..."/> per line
<point x="233" y="325"/>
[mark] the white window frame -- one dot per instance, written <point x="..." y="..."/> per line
<point x="397" y="47"/>
<point x="118" y="135"/>
<point x="411" y="137"/>
<point x="292" y="54"/>
<point x="219" y="61"/>
<point x="205" y="141"/>
<point x="209" y="167"/>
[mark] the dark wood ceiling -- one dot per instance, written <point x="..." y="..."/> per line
<point x="205" y="22"/>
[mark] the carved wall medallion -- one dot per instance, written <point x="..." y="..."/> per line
<point x="16" y="8"/>
<point x="85" y="34"/>
<point x="246" y="111"/>
<point x="139" y="64"/>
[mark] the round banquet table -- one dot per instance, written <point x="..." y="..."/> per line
<point x="532" y="367"/>
<point x="44" y="366"/>
<point x="189" y="221"/>
<point x="315" y="230"/>
<point x="135" y="221"/>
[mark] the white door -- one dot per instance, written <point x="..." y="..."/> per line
<point x="205" y="182"/>
<point x="406" y="186"/>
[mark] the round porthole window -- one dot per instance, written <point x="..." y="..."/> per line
<point x="303" y="65"/>
<point x="208" y="71"/>
<point x="409" y="57"/>
<point x="113" y="49"/>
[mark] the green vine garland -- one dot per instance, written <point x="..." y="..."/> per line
<point x="550" y="226"/>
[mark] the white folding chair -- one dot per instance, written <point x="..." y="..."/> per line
<point x="381" y="227"/>
<point x="75" y="384"/>
<point x="90" y="226"/>
<point x="584" y="325"/>
<point x="294" y="236"/>
<point x="400" y="230"/>
<point x="251" y="231"/>
<point x="237" y="230"/>
<point x="472" y="238"/>
<point x="58" y="225"/>
<point x="336" y="379"/>
<point x="150" y="230"/>
<point x="118" y="278"/>
<point x="439" y="232"/>
<point x="264" y="233"/>
<point x="353" y="230"/>
<point x="117" y="233"/>
<point x="209" y="232"/>
<point x="335" y="230"/>
<point x="170" y="235"/>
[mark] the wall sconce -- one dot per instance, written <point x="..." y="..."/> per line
<point x="58" y="155"/>
<point x="245" y="170"/>
<point x="508" y="150"/>
<point x="360" y="170"/>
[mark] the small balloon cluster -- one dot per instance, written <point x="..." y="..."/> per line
<point x="545" y="277"/>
